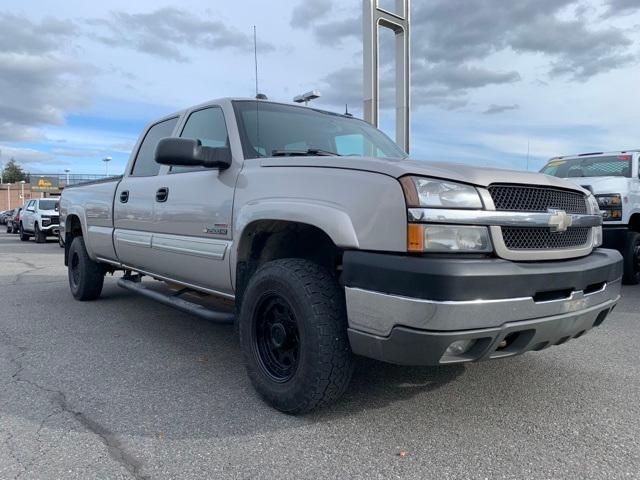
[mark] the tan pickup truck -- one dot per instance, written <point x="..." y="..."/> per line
<point x="331" y="243"/>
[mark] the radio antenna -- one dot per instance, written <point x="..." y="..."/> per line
<point x="255" y="55"/>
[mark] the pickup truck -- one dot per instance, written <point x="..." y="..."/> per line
<point x="331" y="243"/>
<point x="614" y="179"/>
<point x="40" y="219"/>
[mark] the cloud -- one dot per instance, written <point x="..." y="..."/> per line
<point x="20" y="35"/>
<point x="165" y="32"/>
<point x="76" y="152"/>
<point x="39" y="84"/>
<point x="28" y="156"/>
<point x="579" y="52"/>
<point x="622" y="7"/>
<point x="449" y="39"/>
<point x="443" y="85"/>
<point x="495" y="109"/>
<point x="309" y="11"/>
<point x="461" y="77"/>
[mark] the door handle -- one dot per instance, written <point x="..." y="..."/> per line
<point x="162" y="194"/>
<point x="124" y="196"/>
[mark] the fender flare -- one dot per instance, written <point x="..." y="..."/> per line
<point x="329" y="218"/>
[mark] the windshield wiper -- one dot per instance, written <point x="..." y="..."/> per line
<point x="310" y="152"/>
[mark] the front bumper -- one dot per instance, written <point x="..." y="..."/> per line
<point x="50" y="229"/>
<point x="408" y="310"/>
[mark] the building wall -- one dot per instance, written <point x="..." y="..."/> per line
<point x="14" y="200"/>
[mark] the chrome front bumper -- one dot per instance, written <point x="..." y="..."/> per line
<point x="378" y="313"/>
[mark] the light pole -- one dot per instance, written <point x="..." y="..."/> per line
<point x="106" y="165"/>
<point x="9" y="195"/>
<point x="22" y="182"/>
<point x="66" y="170"/>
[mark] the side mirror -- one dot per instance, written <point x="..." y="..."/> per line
<point x="185" y="152"/>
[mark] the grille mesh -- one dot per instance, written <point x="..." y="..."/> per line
<point x="536" y="199"/>
<point x="516" y="238"/>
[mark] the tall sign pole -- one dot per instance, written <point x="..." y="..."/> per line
<point x="375" y="17"/>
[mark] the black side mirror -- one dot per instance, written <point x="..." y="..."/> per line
<point x="186" y="152"/>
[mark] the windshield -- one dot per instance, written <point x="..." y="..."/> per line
<point x="600" y="166"/>
<point x="270" y="129"/>
<point x="48" y="205"/>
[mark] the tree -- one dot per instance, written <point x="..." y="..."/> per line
<point x="13" y="172"/>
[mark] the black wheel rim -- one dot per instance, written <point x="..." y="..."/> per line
<point x="277" y="339"/>
<point x="74" y="268"/>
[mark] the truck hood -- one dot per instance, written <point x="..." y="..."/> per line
<point x="600" y="185"/>
<point x="479" y="176"/>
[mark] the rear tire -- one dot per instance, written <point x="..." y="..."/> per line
<point x="86" y="277"/>
<point x="632" y="259"/>
<point x="23" y="236"/>
<point x="41" y="237"/>
<point x="293" y="335"/>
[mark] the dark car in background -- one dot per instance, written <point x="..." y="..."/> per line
<point x="13" y="221"/>
<point x="3" y="216"/>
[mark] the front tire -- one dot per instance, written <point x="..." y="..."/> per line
<point x="41" y="237"/>
<point x="23" y="236"/>
<point x="632" y="259"/>
<point x="293" y="335"/>
<point x="86" y="277"/>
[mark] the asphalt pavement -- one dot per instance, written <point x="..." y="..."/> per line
<point x="123" y="387"/>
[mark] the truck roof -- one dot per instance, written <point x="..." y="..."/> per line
<point x="595" y="154"/>
<point x="228" y="100"/>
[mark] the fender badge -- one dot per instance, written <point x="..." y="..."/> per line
<point x="218" y="229"/>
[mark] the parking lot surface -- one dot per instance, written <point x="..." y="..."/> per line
<point x="126" y="388"/>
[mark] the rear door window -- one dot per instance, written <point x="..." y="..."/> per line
<point x="145" y="164"/>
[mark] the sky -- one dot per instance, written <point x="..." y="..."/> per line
<point x="500" y="83"/>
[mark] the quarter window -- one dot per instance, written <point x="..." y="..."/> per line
<point x="145" y="164"/>
<point x="208" y="126"/>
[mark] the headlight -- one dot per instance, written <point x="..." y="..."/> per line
<point x="429" y="192"/>
<point x="610" y="206"/>
<point x="448" y="238"/>
<point x="609" y="200"/>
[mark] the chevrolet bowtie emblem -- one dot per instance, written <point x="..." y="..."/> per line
<point x="559" y="221"/>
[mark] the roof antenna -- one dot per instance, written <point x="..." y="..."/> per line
<point x="346" y="110"/>
<point x="259" y="96"/>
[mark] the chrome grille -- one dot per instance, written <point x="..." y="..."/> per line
<point x="523" y="198"/>
<point x="536" y="238"/>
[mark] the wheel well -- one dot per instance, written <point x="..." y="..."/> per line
<point x="266" y="240"/>
<point x="72" y="229"/>
<point x="634" y="222"/>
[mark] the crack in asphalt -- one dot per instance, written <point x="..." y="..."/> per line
<point x="114" y="446"/>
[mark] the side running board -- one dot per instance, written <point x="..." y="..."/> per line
<point x="133" y="283"/>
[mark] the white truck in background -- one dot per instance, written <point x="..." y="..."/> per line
<point x="614" y="179"/>
<point x="40" y="219"/>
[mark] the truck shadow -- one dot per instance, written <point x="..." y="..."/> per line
<point x="377" y="385"/>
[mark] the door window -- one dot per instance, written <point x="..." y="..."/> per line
<point x="208" y="126"/>
<point x="145" y="164"/>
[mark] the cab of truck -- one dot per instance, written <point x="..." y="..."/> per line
<point x="614" y="179"/>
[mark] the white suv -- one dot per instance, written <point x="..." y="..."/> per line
<point x="41" y="219"/>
